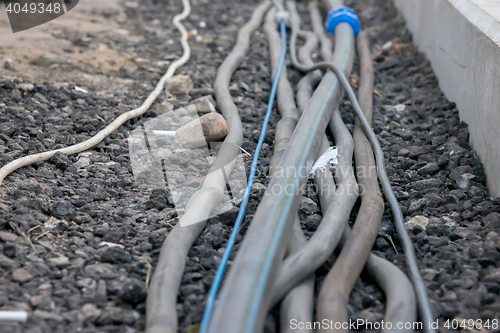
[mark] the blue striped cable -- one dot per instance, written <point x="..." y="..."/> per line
<point x="212" y="295"/>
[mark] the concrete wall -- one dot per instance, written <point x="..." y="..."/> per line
<point x="462" y="41"/>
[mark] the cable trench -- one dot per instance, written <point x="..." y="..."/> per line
<point x="276" y="262"/>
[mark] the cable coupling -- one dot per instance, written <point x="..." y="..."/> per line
<point x="342" y="14"/>
<point x="282" y="16"/>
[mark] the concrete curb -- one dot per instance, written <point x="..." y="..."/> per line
<point x="462" y="41"/>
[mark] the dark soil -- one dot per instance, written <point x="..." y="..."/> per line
<point x="68" y="205"/>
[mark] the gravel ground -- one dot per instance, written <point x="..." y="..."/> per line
<point x="55" y="215"/>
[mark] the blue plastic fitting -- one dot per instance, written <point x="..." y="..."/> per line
<point x="343" y="14"/>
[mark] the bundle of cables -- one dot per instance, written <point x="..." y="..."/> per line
<point x="334" y="18"/>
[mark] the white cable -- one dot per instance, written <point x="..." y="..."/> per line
<point x="30" y="159"/>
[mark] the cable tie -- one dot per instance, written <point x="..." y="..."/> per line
<point x="282" y="16"/>
<point x="342" y="14"/>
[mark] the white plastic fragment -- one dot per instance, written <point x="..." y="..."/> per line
<point x="395" y="108"/>
<point x="282" y="15"/>
<point x="13" y="316"/>
<point x="329" y="156"/>
<point x="52" y="222"/>
<point x="25" y="86"/>
<point x="103" y="244"/>
<point x="400" y="107"/>
<point x="166" y="133"/>
<point x="387" y="45"/>
<point x="80" y="89"/>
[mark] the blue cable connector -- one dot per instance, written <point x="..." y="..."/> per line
<point x="343" y="14"/>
